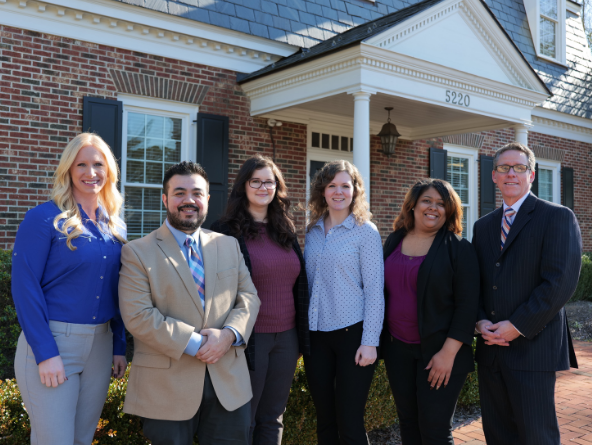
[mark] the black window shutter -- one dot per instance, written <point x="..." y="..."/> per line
<point x="535" y="184"/>
<point x="438" y="163"/>
<point x="567" y="179"/>
<point x="212" y="154"/>
<point x="105" y="118"/>
<point x="487" y="197"/>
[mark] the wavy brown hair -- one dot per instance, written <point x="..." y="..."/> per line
<point x="280" y="227"/>
<point x="452" y="205"/>
<point x="317" y="206"/>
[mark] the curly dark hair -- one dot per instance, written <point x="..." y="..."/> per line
<point x="280" y="227"/>
<point x="452" y="205"/>
<point x="185" y="168"/>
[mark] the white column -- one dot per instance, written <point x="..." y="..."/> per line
<point x="362" y="136"/>
<point x="521" y="134"/>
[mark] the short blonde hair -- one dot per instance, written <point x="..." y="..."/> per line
<point x="62" y="194"/>
<point x="317" y="206"/>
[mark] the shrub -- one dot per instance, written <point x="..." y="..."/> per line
<point x="584" y="289"/>
<point x="9" y="326"/>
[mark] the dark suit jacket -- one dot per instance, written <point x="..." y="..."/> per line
<point x="300" y="291"/>
<point x="447" y="296"/>
<point x="528" y="283"/>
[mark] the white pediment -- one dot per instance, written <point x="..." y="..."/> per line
<point x="460" y="34"/>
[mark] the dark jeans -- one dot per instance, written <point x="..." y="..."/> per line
<point x="212" y="423"/>
<point x="425" y="415"/>
<point x="275" y="363"/>
<point x="338" y="386"/>
<point x="518" y="407"/>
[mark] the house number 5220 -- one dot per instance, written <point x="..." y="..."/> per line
<point x="461" y="99"/>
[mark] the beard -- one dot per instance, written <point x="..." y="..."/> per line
<point x="179" y="223"/>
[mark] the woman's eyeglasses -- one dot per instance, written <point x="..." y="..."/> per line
<point x="257" y="183"/>
<point x="518" y="168"/>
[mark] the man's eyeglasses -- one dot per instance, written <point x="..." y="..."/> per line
<point x="518" y="168"/>
<point x="257" y="183"/>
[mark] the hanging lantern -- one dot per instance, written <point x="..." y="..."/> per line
<point x="389" y="136"/>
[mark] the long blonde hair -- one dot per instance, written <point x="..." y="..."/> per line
<point x="317" y="206"/>
<point x="62" y="194"/>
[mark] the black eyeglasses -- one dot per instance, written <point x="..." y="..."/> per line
<point x="518" y="168"/>
<point x="257" y="183"/>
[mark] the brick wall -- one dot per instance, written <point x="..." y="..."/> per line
<point x="44" y="78"/>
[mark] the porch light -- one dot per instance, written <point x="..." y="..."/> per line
<point x="388" y="136"/>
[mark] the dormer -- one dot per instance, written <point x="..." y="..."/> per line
<point x="546" y="19"/>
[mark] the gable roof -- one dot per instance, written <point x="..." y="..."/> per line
<point x="362" y="33"/>
<point x="305" y="23"/>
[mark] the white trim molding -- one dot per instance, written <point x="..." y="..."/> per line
<point x="555" y="123"/>
<point x="555" y="167"/>
<point x="472" y="155"/>
<point x="144" y="30"/>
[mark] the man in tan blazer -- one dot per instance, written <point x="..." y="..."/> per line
<point x="187" y="298"/>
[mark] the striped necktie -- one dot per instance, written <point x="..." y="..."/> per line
<point x="507" y="224"/>
<point x="197" y="269"/>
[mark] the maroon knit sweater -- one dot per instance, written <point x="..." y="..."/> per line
<point x="274" y="273"/>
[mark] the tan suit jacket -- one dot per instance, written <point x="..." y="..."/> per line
<point x="161" y="308"/>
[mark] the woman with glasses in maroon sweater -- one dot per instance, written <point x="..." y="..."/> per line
<point x="258" y="216"/>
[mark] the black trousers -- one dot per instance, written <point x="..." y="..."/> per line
<point x="518" y="407"/>
<point x="338" y="386"/>
<point x="212" y="424"/>
<point x="275" y="363"/>
<point x="425" y="415"/>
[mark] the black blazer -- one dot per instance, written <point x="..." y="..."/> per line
<point x="300" y="291"/>
<point x="528" y="283"/>
<point x="447" y="296"/>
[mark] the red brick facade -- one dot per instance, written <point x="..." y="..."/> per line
<point x="45" y="77"/>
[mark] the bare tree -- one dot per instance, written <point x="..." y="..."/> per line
<point x="587" y="20"/>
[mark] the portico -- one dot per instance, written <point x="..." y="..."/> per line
<point x="446" y="67"/>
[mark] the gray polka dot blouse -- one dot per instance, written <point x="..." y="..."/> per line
<point x="345" y="273"/>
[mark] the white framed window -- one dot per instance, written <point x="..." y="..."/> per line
<point x="548" y="174"/>
<point x="156" y="135"/>
<point x="462" y="175"/>
<point x="546" y="19"/>
<point x="327" y="143"/>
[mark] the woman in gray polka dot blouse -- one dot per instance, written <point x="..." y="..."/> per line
<point x="345" y="270"/>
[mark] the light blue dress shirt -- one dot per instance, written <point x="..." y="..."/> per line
<point x="195" y="340"/>
<point x="345" y="273"/>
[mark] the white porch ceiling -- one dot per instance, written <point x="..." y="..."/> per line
<point x="414" y="120"/>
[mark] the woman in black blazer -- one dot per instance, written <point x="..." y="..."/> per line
<point x="258" y="216"/>
<point x="432" y="296"/>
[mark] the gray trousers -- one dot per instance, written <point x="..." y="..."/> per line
<point x="68" y="414"/>
<point x="275" y="363"/>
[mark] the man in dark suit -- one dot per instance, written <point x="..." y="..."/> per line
<point x="529" y="254"/>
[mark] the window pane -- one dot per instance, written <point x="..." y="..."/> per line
<point x="154" y="173"/>
<point x="545" y="184"/>
<point x="172" y="128"/>
<point x="155" y="126"/>
<point x="172" y="151"/>
<point x="133" y="198"/>
<point x="153" y="199"/>
<point x="548" y="37"/>
<point x="325" y="141"/>
<point x="458" y="176"/>
<point x="316" y="140"/>
<point x="549" y="8"/>
<point x="135" y="124"/>
<point x="144" y="211"/>
<point x="135" y="148"/>
<point x="135" y="171"/>
<point x="154" y="149"/>
<point x="334" y="142"/>
<point x="344" y="143"/>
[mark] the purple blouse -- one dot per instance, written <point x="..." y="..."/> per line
<point x="400" y="283"/>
